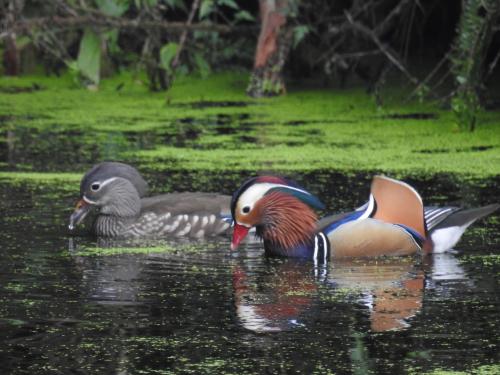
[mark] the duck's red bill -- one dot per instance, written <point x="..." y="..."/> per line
<point x="239" y="233"/>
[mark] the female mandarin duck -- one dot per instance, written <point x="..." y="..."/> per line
<point x="393" y="222"/>
<point x="117" y="191"/>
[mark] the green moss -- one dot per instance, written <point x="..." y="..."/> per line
<point x="487" y="370"/>
<point x="13" y="322"/>
<point x="144" y="247"/>
<point x="489" y="260"/>
<point x="340" y="294"/>
<point x="88" y="345"/>
<point x="101" y="251"/>
<point x="315" y="157"/>
<point x="15" y="287"/>
<point x="305" y="130"/>
<point x="40" y="177"/>
<point x="481" y="370"/>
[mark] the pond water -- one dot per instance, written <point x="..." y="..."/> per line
<point x="70" y="304"/>
<point x="74" y="304"/>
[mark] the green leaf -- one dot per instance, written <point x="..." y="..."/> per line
<point x="23" y="41"/>
<point x="202" y="65"/>
<point x="230" y="51"/>
<point x="181" y="70"/>
<point x="229" y="3"/>
<point x="299" y="33"/>
<point x="167" y="54"/>
<point x="72" y="65"/>
<point x="111" y="38"/>
<point x="114" y="8"/>
<point x="243" y="15"/>
<point x="206" y="7"/>
<point x="89" y="56"/>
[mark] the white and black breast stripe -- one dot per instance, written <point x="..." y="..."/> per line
<point x="321" y="248"/>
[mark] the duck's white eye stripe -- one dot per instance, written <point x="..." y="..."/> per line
<point x="109" y="180"/>
<point x="257" y="191"/>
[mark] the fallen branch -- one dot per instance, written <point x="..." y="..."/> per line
<point x="27" y="25"/>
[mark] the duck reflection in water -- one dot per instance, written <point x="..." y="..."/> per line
<point x="108" y="280"/>
<point x="289" y="293"/>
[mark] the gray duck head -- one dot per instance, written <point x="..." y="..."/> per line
<point x="114" y="188"/>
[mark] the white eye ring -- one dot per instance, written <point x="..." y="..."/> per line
<point x="95" y="186"/>
<point x="246" y="209"/>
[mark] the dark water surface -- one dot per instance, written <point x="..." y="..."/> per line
<point x="196" y="308"/>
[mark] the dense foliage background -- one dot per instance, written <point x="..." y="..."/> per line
<point x="447" y="50"/>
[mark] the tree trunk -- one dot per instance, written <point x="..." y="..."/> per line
<point x="11" y="55"/>
<point x="272" y="49"/>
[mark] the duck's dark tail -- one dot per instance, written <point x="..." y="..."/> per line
<point x="447" y="224"/>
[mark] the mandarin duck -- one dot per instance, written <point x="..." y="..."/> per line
<point x="118" y="192"/>
<point x="393" y="221"/>
<point x="284" y="296"/>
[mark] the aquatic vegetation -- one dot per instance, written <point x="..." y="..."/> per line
<point x="41" y="177"/>
<point x="103" y="251"/>
<point x="157" y="247"/>
<point x="481" y="370"/>
<point x="341" y="294"/>
<point x="15" y="287"/>
<point x="305" y="130"/>
<point x="486" y="260"/>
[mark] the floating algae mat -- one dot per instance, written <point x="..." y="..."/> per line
<point x="210" y="124"/>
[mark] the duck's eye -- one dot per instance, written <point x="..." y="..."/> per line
<point x="245" y="209"/>
<point x="95" y="186"/>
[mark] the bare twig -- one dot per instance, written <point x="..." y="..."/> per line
<point x="182" y="40"/>
<point x="430" y="75"/>
<point x="493" y="64"/>
<point x="441" y="81"/>
<point x="391" y="18"/>
<point x="357" y="55"/>
<point x="357" y="10"/>
<point x="66" y="8"/>
<point x="103" y="21"/>
<point x="386" y="50"/>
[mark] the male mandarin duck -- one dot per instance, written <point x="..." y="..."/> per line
<point x="117" y="191"/>
<point x="393" y="221"/>
<point x="284" y="296"/>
